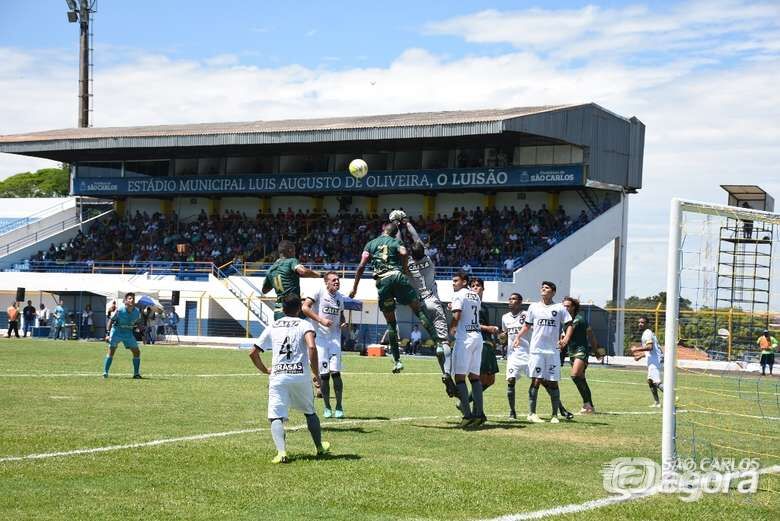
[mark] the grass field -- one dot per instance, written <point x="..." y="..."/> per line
<point x="399" y="455"/>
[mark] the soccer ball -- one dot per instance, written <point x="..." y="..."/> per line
<point x="397" y="215"/>
<point x="358" y="168"/>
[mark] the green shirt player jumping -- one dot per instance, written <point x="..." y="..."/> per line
<point x="389" y="261"/>
<point x="284" y="276"/>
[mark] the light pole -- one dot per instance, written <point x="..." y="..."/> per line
<point x="81" y="13"/>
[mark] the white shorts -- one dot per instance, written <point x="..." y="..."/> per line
<point x="546" y="366"/>
<point x="654" y="373"/>
<point x="466" y="355"/>
<point x="329" y="357"/>
<point x="516" y="366"/>
<point x="286" y="391"/>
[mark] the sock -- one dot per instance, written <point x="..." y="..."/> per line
<point x="392" y="336"/>
<point x="441" y="356"/>
<point x="587" y="391"/>
<point x="654" y="390"/>
<point x="582" y="386"/>
<point x="428" y="325"/>
<point x="338" y="386"/>
<point x="463" y="394"/>
<point x="476" y="392"/>
<point x="325" y="389"/>
<point x="510" y="395"/>
<point x="136" y="365"/>
<point x="447" y="359"/>
<point x="660" y="387"/>
<point x="555" y="400"/>
<point x="533" y="392"/>
<point x="277" y="433"/>
<point x="107" y="363"/>
<point x="313" y="423"/>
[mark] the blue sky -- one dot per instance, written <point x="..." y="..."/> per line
<point x="702" y="75"/>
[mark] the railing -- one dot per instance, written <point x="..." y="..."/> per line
<point x="254" y="307"/>
<point x="29" y="219"/>
<point x="259" y="269"/>
<point x="43" y="233"/>
<point x="182" y="270"/>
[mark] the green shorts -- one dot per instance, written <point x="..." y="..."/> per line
<point x="489" y="363"/>
<point x="581" y="352"/>
<point x="395" y="288"/>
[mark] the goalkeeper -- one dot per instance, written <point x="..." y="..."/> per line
<point x="389" y="261"/>
<point x="422" y="275"/>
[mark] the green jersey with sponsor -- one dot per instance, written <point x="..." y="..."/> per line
<point x="578" y="345"/>
<point x="283" y="278"/>
<point x="385" y="255"/>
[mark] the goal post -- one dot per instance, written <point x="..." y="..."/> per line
<point x="738" y="217"/>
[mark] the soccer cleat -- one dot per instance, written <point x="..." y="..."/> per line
<point x="323" y="449"/>
<point x="281" y="457"/>
<point x="338" y="413"/>
<point x="655" y="406"/>
<point x="398" y="367"/>
<point x="512" y="415"/>
<point x="137" y="377"/>
<point x="568" y="415"/>
<point x="449" y="385"/>
<point x="479" y="421"/>
<point x="327" y="413"/>
<point x="587" y="410"/>
<point x="534" y="418"/>
<point x="105" y="375"/>
<point x="555" y="419"/>
<point x="467" y="421"/>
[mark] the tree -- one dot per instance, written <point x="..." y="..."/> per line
<point x="47" y="182"/>
<point x="634" y="302"/>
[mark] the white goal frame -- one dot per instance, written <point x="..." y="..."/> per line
<point x="673" y="267"/>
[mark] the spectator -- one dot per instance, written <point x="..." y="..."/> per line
<point x="768" y="344"/>
<point x="43" y="316"/>
<point x="416" y="340"/>
<point x="28" y="316"/>
<point x="13" y="319"/>
<point x="59" y="321"/>
<point x="509" y="266"/>
<point x="87" y="323"/>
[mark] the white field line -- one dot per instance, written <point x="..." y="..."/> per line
<point x="600" y="503"/>
<point x="199" y="437"/>
<point x="152" y="376"/>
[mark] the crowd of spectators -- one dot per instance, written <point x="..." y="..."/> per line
<point x="504" y="237"/>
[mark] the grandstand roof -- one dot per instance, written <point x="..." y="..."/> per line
<point x="589" y="124"/>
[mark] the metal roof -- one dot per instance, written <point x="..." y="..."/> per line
<point x="358" y="128"/>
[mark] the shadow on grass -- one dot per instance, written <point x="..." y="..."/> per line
<point x="337" y="428"/>
<point x="327" y="457"/>
<point x="335" y="422"/>
<point x="485" y="427"/>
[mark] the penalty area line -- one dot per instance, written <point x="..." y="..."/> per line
<point x="200" y="437"/>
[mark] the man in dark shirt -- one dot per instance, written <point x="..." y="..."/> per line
<point x="28" y="314"/>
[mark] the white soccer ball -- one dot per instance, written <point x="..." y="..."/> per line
<point x="397" y="215"/>
<point x="358" y="168"/>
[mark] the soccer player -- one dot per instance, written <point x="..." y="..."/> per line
<point x="284" y="276"/>
<point x="422" y="273"/>
<point x="488" y="367"/>
<point x="650" y="347"/>
<point x="120" y="332"/>
<point x="517" y="357"/>
<point x="547" y="319"/>
<point x="467" y="351"/>
<point x="579" y="349"/>
<point x="291" y="340"/>
<point x="389" y="260"/>
<point x="325" y="308"/>
<point x="768" y="345"/>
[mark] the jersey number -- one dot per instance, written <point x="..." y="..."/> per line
<point x="286" y="348"/>
<point x="278" y="286"/>
<point x="383" y="252"/>
<point x="474" y="316"/>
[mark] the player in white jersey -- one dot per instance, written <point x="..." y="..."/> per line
<point x="291" y="340"/>
<point x="466" y="356"/>
<point x="655" y="358"/>
<point x="325" y="308"/>
<point x="422" y="276"/>
<point x="547" y="319"/>
<point x="517" y="357"/>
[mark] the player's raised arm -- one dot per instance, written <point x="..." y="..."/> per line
<point x="307" y="273"/>
<point x="410" y="228"/>
<point x="364" y="258"/>
<point x="266" y="286"/>
<point x="404" y="258"/>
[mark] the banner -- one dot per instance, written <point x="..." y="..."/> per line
<point x="464" y="179"/>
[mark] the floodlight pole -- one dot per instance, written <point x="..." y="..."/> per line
<point x="668" y="449"/>
<point x="84" y="12"/>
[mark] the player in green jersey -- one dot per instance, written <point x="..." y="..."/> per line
<point x="389" y="261"/>
<point x="579" y="348"/>
<point x="284" y="276"/>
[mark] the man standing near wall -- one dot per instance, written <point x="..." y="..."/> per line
<point x="13" y="319"/>
<point x="28" y="314"/>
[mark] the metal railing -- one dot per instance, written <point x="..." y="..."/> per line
<point x="37" y="216"/>
<point x="254" y="306"/>
<point x="44" y="233"/>
<point x="182" y="270"/>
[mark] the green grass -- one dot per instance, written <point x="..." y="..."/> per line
<point x="423" y="467"/>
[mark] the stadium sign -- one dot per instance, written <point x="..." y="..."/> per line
<point x="384" y="181"/>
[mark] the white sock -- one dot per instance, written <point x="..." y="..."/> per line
<point x="277" y="433"/>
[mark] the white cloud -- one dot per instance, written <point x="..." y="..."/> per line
<point x="709" y="120"/>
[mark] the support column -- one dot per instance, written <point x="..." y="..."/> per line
<point x="214" y="206"/>
<point x="553" y="201"/>
<point x="264" y="205"/>
<point x="373" y="205"/>
<point x="619" y="278"/>
<point x="316" y="204"/>
<point x="120" y="207"/>
<point x="490" y="201"/>
<point x="166" y="207"/>
<point x="429" y="206"/>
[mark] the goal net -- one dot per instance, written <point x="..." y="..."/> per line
<point x="720" y="301"/>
